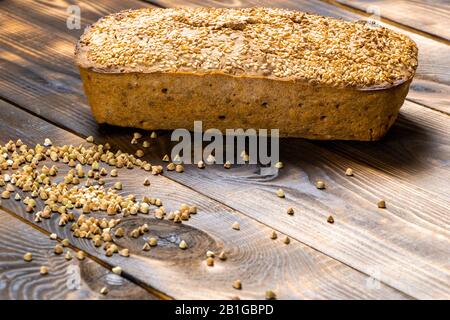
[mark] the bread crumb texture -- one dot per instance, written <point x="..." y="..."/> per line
<point x="252" y="42"/>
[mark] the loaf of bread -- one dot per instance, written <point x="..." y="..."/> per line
<point x="306" y="75"/>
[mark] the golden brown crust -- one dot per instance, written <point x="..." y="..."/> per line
<point x="298" y="109"/>
<point x="252" y="43"/>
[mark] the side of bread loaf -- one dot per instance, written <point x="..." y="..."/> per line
<point x="213" y="65"/>
<point x="167" y="101"/>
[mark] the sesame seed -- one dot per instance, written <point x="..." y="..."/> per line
<point x="273" y="42"/>
<point x="349" y="172"/>
<point x="236" y="226"/>
<point x="330" y="219"/>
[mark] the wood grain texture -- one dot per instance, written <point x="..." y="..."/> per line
<point x="431" y="16"/>
<point x="411" y="163"/>
<point x="294" y="271"/>
<point x="431" y="86"/>
<point x="79" y="280"/>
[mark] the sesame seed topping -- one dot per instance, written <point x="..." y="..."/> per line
<point x="255" y="42"/>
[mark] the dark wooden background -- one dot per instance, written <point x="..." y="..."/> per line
<point x="401" y="252"/>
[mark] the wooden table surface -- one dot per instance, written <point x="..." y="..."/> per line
<point x="401" y="252"/>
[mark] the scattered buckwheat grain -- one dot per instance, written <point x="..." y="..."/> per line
<point x="28" y="257"/>
<point x="201" y="164"/>
<point x="320" y="184"/>
<point x="270" y="295"/>
<point x="183" y="245"/>
<point x="280" y="193"/>
<point x="43" y="270"/>
<point x="223" y="256"/>
<point x="210" y="261"/>
<point x="237" y="284"/>
<point x="58" y="249"/>
<point x="117" y="270"/>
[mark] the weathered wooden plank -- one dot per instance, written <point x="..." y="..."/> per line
<point x="80" y="280"/>
<point x="372" y="158"/>
<point x="431" y="86"/>
<point x="295" y="271"/>
<point x="431" y="16"/>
